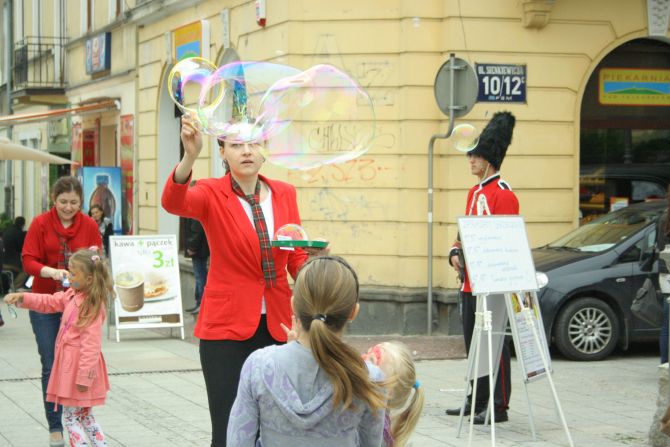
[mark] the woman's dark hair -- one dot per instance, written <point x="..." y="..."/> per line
<point x="67" y="184"/>
<point x="95" y="205"/>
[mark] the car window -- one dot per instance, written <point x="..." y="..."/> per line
<point x="633" y="253"/>
<point x="643" y="190"/>
<point x="607" y="231"/>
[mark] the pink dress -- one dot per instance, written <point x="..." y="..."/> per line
<point x="78" y="358"/>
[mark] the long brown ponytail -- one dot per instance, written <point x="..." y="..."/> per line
<point x="324" y="297"/>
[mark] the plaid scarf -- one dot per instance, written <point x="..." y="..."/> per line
<point x="267" y="261"/>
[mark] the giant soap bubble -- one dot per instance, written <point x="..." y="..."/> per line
<point x="230" y="101"/>
<point x="321" y="116"/>
<point x="464" y="137"/>
<point x="304" y="119"/>
<point x="186" y="80"/>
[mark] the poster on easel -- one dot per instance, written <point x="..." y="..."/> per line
<point x="145" y="270"/>
<point x="526" y="306"/>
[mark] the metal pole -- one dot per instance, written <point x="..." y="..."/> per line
<point x="452" y="68"/>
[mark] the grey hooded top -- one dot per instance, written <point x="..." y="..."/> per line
<point x="283" y="389"/>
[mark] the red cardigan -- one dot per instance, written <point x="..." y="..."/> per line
<point x="43" y="245"/>
<point x="231" y="305"/>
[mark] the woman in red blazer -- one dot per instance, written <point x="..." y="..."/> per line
<point x="50" y="240"/>
<point x="242" y="306"/>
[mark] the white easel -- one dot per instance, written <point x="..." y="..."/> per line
<point x="498" y="259"/>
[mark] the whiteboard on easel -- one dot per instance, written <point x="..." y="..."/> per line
<point x="497" y="254"/>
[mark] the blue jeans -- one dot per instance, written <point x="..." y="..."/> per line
<point x="663" y="340"/>
<point x="45" y="328"/>
<point x="200" y="273"/>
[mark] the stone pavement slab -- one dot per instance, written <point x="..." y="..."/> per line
<point x="158" y="397"/>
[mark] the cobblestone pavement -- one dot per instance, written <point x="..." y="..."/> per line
<point x="158" y="397"/>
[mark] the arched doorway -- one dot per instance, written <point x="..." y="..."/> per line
<point x="168" y="153"/>
<point x="625" y="136"/>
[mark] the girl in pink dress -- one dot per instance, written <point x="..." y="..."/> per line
<point x="79" y="376"/>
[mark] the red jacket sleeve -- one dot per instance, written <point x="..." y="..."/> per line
<point x="33" y="249"/>
<point x="182" y="200"/>
<point x="91" y="346"/>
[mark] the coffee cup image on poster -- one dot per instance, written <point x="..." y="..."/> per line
<point x="145" y="271"/>
<point x="102" y="186"/>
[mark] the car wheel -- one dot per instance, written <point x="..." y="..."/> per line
<point x="586" y="329"/>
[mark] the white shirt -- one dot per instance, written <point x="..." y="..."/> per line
<point x="266" y="206"/>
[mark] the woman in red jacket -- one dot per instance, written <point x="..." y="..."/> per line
<point x="247" y="295"/>
<point x="50" y="240"/>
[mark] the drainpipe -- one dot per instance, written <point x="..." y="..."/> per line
<point x="9" y="43"/>
<point x="9" y="46"/>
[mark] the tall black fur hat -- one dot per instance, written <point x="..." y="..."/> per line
<point x="495" y="138"/>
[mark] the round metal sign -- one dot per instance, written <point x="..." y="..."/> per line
<point x="462" y="97"/>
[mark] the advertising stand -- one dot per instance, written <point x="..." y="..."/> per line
<point x="145" y="270"/>
<point x="502" y="277"/>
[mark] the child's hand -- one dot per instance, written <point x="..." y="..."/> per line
<point x="14" y="298"/>
<point x="374" y="355"/>
<point x="82" y="388"/>
<point x="291" y="334"/>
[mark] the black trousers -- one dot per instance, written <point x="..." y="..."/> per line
<point x="222" y="362"/>
<point x="503" y="389"/>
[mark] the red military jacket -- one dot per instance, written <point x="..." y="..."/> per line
<point x="492" y="196"/>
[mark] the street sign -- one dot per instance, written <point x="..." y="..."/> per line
<point x="501" y="83"/>
<point x="464" y="87"/>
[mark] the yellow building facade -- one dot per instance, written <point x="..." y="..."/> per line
<point x="373" y="209"/>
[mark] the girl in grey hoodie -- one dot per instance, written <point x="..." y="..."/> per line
<point x="317" y="390"/>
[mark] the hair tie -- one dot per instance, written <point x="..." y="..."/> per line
<point x="321" y="317"/>
<point x="95" y="258"/>
<point x="417" y="384"/>
<point x="94" y="248"/>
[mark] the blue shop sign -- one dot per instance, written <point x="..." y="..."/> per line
<point x="501" y="83"/>
<point x="99" y="53"/>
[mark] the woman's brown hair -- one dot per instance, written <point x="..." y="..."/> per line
<point x="67" y="184"/>
<point x="324" y="298"/>
<point x="93" y="263"/>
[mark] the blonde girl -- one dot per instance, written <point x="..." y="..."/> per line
<point x="79" y="376"/>
<point x="316" y="390"/>
<point x="406" y="396"/>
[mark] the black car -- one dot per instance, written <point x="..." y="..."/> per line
<point x="594" y="273"/>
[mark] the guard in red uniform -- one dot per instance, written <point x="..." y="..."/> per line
<point x="491" y="196"/>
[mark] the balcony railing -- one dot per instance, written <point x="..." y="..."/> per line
<point x="39" y="63"/>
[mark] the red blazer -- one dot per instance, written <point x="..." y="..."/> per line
<point x="231" y="305"/>
<point x="43" y="245"/>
